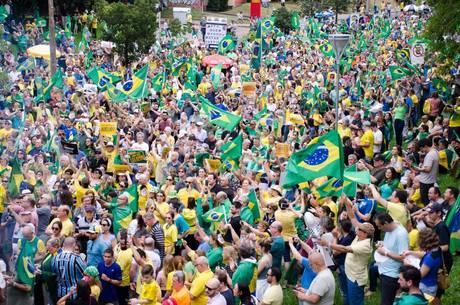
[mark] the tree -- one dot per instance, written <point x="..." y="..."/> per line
<point x="5" y="47"/>
<point x="283" y="19"/>
<point x="309" y="7"/>
<point x="338" y="6"/>
<point x="443" y="31"/>
<point x="130" y="26"/>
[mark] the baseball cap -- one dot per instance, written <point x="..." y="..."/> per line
<point x="435" y="208"/>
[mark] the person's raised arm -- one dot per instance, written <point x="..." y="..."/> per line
<point x="377" y="196"/>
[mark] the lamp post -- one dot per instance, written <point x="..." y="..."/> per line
<point x="339" y="41"/>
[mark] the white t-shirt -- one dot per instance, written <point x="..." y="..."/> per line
<point x="143" y="146"/>
<point x="323" y="285"/>
<point x="431" y="159"/>
<point x="378" y="138"/>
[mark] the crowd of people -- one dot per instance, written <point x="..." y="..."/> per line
<point x="82" y="223"/>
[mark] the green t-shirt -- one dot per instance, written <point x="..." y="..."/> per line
<point x="400" y="112"/>
<point x="215" y="257"/>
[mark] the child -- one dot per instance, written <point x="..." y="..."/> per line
<point x="150" y="291"/>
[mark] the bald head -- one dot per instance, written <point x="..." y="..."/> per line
<point x="213" y="283"/>
<point x="202" y="263"/>
<point x="317" y="261"/>
<point x="69" y="243"/>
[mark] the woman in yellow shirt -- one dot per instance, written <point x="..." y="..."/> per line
<point x="170" y="232"/>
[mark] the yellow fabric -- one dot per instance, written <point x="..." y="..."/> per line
<point x="164" y="208"/>
<point x="185" y="193"/>
<point x="40" y="246"/>
<point x="273" y="295"/>
<point x="413" y="236"/>
<point x="5" y="134"/>
<point x="151" y="292"/>
<point x="203" y="88"/>
<point x="80" y="191"/>
<point x="198" y="286"/>
<point x="139" y="276"/>
<point x="368" y="138"/>
<point x="398" y="212"/>
<point x="142" y="201"/>
<point x="67" y="226"/>
<point x="190" y="217"/>
<point x="417" y="198"/>
<point x="124" y="259"/>
<point x="357" y="261"/>
<point x="182" y="296"/>
<point x="169" y="279"/>
<point x="110" y="159"/>
<point x="287" y="219"/>
<point x="344" y="131"/>
<point x="170" y="237"/>
<point x="95" y="291"/>
<point x="2" y="198"/>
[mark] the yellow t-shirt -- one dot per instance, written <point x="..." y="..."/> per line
<point x="184" y="194"/>
<point x="198" y="287"/>
<point x="182" y="296"/>
<point x="2" y="198"/>
<point x="95" y="291"/>
<point x="413" y="236"/>
<point x="80" y="191"/>
<point x="287" y="219"/>
<point x="142" y="201"/>
<point x="5" y="134"/>
<point x="344" y="132"/>
<point x="203" y="88"/>
<point x="40" y="245"/>
<point x="124" y="259"/>
<point x="110" y="159"/>
<point x="151" y="292"/>
<point x="170" y="237"/>
<point x="368" y="137"/>
<point x="169" y="279"/>
<point x="164" y="208"/>
<point x="398" y="212"/>
<point x="67" y="226"/>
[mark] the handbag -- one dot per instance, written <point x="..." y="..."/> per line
<point x="443" y="275"/>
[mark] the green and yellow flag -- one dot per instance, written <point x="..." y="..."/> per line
<point x="327" y="49"/>
<point x="136" y="88"/>
<point x="254" y="205"/>
<point x="219" y="117"/>
<point x="322" y="157"/>
<point x="295" y="20"/>
<point x="101" y="78"/>
<point x="158" y="81"/>
<point x="56" y="81"/>
<point x="233" y="149"/>
<point x="217" y="214"/>
<point x="215" y="75"/>
<point x="16" y="177"/>
<point x="226" y="44"/>
<point x="398" y="72"/>
<point x="27" y="65"/>
<point x="256" y="56"/>
<point x="133" y="197"/>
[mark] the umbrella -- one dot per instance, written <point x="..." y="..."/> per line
<point x="214" y="60"/>
<point x="41" y="50"/>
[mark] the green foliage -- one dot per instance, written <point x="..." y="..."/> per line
<point x="310" y="7"/>
<point x="283" y="19"/>
<point x="130" y="26"/>
<point x="175" y="27"/>
<point x="5" y="47"/>
<point x="441" y="29"/>
<point x="217" y="5"/>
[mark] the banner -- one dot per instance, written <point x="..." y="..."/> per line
<point x="137" y="156"/>
<point x="108" y="128"/>
<point x="417" y="53"/>
<point x="70" y="147"/>
<point x="256" y="9"/>
<point x="282" y="150"/>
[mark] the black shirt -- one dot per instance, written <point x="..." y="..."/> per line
<point x="444" y="239"/>
<point x="235" y="223"/>
<point x="228" y="295"/>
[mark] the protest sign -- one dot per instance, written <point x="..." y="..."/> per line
<point x="70" y="147"/>
<point x="136" y="156"/>
<point x="108" y="128"/>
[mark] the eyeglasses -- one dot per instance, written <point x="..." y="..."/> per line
<point x="55" y="228"/>
<point x="209" y="288"/>
<point x="169" y="179"/>
<point x="105" y="224"/>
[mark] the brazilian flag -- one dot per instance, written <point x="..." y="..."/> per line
<point x="233" y="149"/>
<point x="16" y="177"/>
<point x="26" y="65"/>
<point x="254" y="205"/>
<point x="215" y="76"/>
<point x="403" y="54"/>
<point x="398" y="72"/>
<point x="267" y="25"/>
<point x="219" y="117"/>
<point x="101" y="78"/>
<point x="217" y="214"/>
<point x="115" y="95"/>
<point x="56" y="81"/>
<point x="136" y="88"/>
<point x="122" y="215"/>
<point x="158" y="81"/>
<point x="327" y="49"/>
<point x="226" y="44"/>
<point x="335" y="187"/>
<point x="323" y="156"/>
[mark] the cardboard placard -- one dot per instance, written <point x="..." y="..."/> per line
<point x="108" y="128"/>
<point x="282" y="150"/>
<point x="70" y="147"/>
<point x="136" y="156"/>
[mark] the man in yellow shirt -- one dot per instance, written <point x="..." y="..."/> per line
<point x="197" y="290"/>
<point x="180" y="293"/>
<point x="6" y="132"/>
<point x="124" y="258"/>
<point x="63" y="213"/>
<point x="367" y="141"/>
<point x="189" y="191"/>
<point x="395" y="207"/>
<point x="109" y="152"/>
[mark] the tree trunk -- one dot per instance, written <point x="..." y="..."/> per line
<point x="52" y="37"/>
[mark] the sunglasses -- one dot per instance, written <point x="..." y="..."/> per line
<point x="209" y="288"/>
<point x="105" y="224"/>
<point x="55" y="228"/>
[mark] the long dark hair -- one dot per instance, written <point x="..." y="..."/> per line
<point x="83" y="292"/>
<point x="244" y="294"/>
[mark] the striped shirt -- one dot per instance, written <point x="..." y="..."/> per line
<point x="69" y="268"/>
<point x="158" y="235"/>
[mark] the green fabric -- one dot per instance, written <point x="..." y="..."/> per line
<point x="48" y="277"/>
<point x="215" y="257"/>
<point x="400" y="112"/>
<point x="246" y="215"/>
<point x="245" y="272"/>
<point x="408" y="299"/>
<point x="25" y="262"/>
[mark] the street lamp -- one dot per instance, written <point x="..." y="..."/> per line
<point x="339" y="41"/>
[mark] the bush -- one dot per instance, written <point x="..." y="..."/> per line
<point x="283" y="19"/>
<point x="217" y="5"/>
<point x="175" y="27"/>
